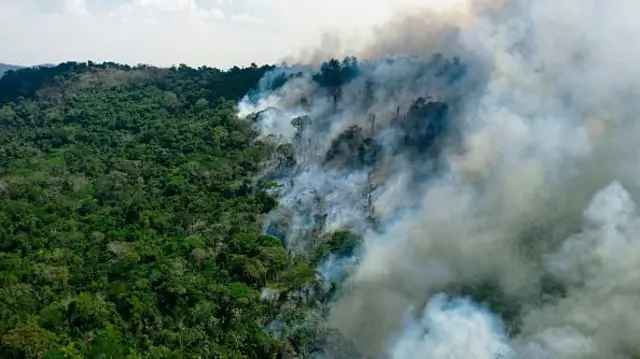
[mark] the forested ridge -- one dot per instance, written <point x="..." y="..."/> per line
<point x="6" y="67"/>
<point x="130" y="218"/>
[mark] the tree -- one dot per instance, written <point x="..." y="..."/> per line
<point x="129" y="218"/>
<point x="28" y="339"/>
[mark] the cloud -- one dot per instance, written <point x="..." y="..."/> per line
<point x="165" y="5"/>
<point x="247" y="19"/>
<point x="173" y="4"/>
<point x="161" y="32"/>
<point x="164" y="32"/>
<point x="76" y="7"/>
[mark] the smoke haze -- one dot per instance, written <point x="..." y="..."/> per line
<point x="492" y="144"/>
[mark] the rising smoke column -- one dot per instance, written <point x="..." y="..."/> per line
<point x="532" y="182"/>
<point x="451" y="329"/>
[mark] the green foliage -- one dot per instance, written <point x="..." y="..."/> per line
<point x="341" y="243"/>
<point x="301" y="122"/>
<point x="129" y="218"/>
<point x="334" y="73"/>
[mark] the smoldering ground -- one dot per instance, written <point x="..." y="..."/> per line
<point x="516" y="171"/>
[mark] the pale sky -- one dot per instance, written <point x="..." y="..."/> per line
<point x="164" y="32"/>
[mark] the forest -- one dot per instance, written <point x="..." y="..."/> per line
<point x="466" y="185"/>
<point x="6" y="67"/>
<point x="130" y="218"/>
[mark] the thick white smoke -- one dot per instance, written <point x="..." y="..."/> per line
<point x="451" y="330"/>
<point x="532" y="181"/>
<point x="600" y="267"/>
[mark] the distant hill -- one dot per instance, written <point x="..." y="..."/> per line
<point x="6" y="67"/>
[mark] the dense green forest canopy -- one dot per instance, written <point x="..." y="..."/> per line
<point x="130" y="218"/>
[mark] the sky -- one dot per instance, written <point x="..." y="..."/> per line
<point x="221" y="33"/>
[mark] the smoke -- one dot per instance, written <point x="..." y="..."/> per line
<point x="453" y="330"/>
<point x="491" y="146"/>
<point x="599" y="266"/>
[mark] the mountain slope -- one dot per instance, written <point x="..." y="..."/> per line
<point x="130" y="226"/>
<point x="6" y="67"/>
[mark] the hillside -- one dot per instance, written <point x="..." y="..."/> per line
<point x="130" y="221"/>
<point x="6" y="67"/>
<point x="392" y="207"/>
